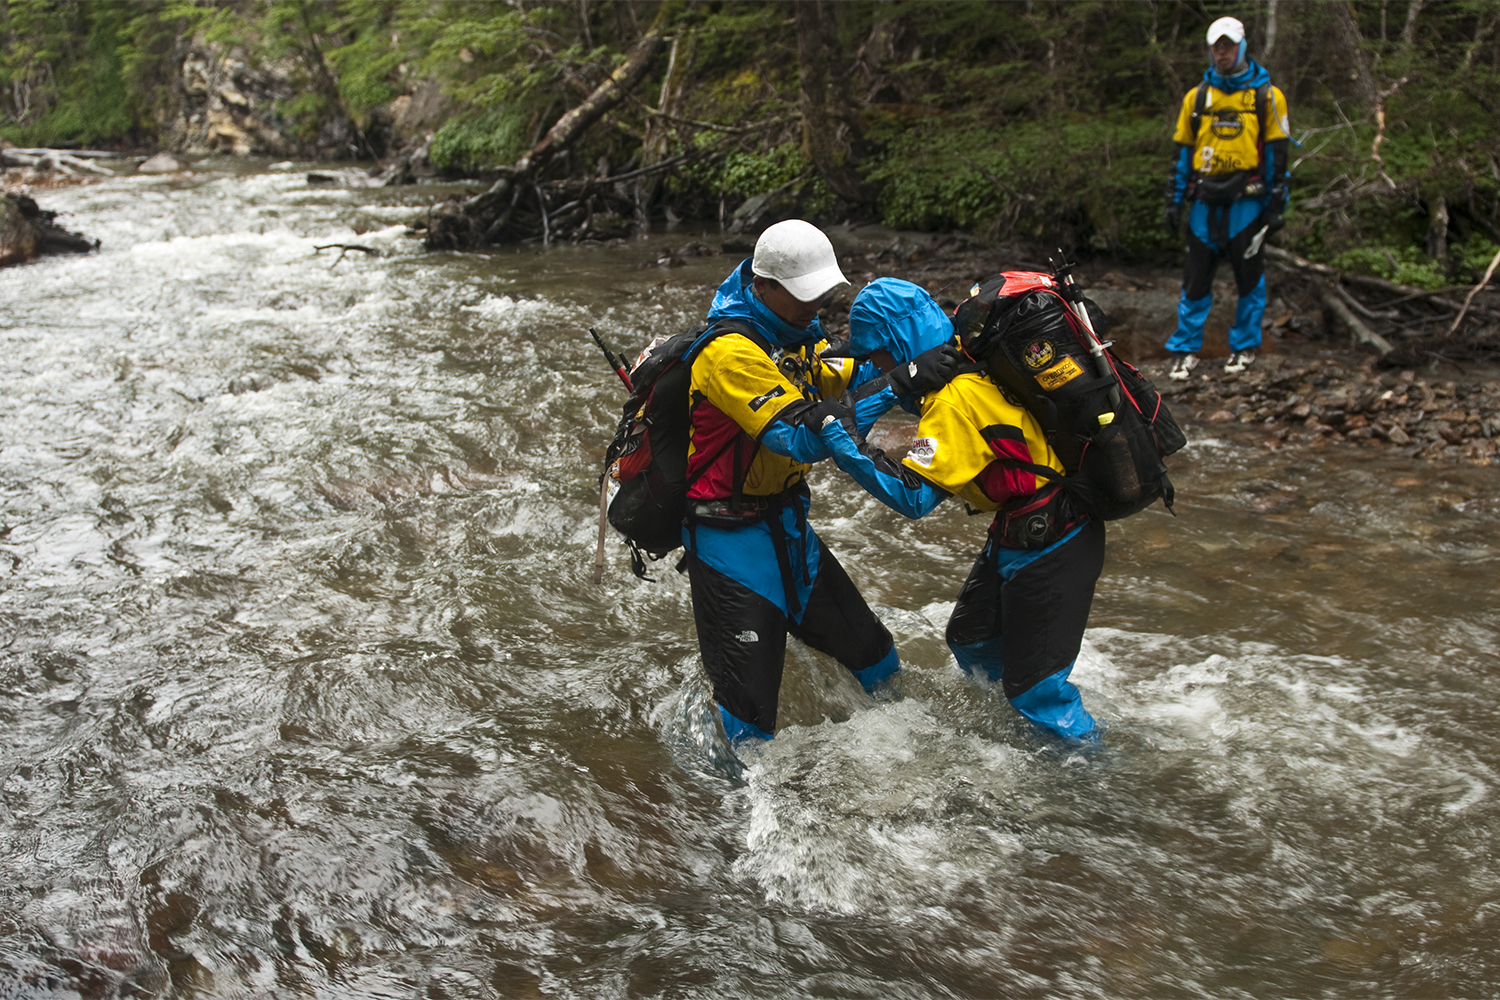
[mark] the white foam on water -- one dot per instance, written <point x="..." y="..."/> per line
<point x="887" y="813"/>
<point x="512" y="315"/>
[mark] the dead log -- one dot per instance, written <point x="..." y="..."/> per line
<point x="488" y="213"/>
<point x="1362" y="334"/>
<point x="1406" y="292"/>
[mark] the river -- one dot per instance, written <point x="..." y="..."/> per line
<point x="306" y="690"/>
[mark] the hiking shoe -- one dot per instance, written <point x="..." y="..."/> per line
<point x="1239" y="361"/>
<point x="1183" y="366"/>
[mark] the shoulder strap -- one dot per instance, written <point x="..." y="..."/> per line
<point x="724" y="326"/>
<point x="719" y="328"/>
<point x="1199" y="104"/>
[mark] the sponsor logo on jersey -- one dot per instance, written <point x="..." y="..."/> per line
<point x="1227" y="124"/>
<point x="762" y="400"/>
<point x="923" y="451"/>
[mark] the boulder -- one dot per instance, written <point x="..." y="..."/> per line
<point x="18" y="237"/>
<point x="162" y="163"/>
<point x="26" y="231"/>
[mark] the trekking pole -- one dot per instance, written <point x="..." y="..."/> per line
<point x="603" y="528"/>
<point x="1062" y="272"/>
<point x="614" y="362"/>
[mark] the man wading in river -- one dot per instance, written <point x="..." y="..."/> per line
<point x="757" y="568"/>
<point x="1230" y="168"/>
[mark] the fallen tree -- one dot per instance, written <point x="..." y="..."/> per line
<point x="1404" y="325"/>
<point x="62" y="161"/>
<point x="500" y="212"/>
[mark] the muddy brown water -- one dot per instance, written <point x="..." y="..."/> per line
<point x="305" y="689"/>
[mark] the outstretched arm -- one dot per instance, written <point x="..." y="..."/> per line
<point x="888" y="481"/>
<point x="796" y="429"/>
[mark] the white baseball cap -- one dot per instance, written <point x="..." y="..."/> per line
<point x="800" y="257"/>
<point x="1226" y="27"/>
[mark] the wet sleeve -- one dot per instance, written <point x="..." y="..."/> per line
<point x="893" y="484"/>
<point x="791" y="435"/>
<point x="1275" y="166"/>
<point x="1182" y="169"/>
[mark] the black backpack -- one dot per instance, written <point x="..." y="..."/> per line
<point x="649" y="454"/>
<point x="1108" y="425"/>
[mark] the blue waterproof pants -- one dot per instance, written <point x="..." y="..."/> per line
<point x="1020" y="619"/>
<point x="1216" y="232"/>
<point x="754" y="584"/>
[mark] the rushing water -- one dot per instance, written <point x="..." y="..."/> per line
<point x="305" y="688"/>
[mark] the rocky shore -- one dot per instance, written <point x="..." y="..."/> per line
<point x="1318" y="402"/>
<point x="1311" y="387"/>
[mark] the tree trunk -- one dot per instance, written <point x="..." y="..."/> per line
<point x="1348" y="40"/>
<point x="1437" y="229"/>
<point x="659" y="130"/>
<point x="1409" y="33"/>
<point x="480" y="219"/>
<point x="815" y="49"/>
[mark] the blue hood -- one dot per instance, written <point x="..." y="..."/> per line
<point x="896" y="316"/>
<point x="735" y="299"/>
<point x="1252" y="76"/>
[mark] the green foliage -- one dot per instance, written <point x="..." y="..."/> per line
<point x="743" y="174"/>
<point x="1405" y="264"/>
<point x="487" y="139"/>
<point x="1047" y="120"/>
<point x="1093" y="179"/>
<point x="67" y="58"/>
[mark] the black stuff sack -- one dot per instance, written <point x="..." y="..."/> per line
<point x="1107" y="423"/>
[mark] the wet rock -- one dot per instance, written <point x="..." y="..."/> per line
<point x="27" y="231"/>
<point x="162" y="163"/>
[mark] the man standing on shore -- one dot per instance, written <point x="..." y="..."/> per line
<point x="1230" y="169"/>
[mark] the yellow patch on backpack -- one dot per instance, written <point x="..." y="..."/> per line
<point x="1059" y="374"/>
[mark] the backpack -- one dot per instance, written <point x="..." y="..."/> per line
<point x="649" y="454"/>
<point x="1108" y="425"/>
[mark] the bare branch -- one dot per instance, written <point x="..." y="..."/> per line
<point x="1362" y="334"/>
<point x="1489" y="271"/>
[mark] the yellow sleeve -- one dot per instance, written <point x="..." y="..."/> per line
<point x="949" y="451"/>
<point x="1184" y="131"/>
<point x="1278" y="124"/>
<point x="741" y="380"/>
<point x="833" y="375"/>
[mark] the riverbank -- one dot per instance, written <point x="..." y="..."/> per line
<point x="1309" y="388"/>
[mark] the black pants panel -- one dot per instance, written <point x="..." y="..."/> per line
<point x="742" y="636"/>
<point x="1203" y="259"/>
<point x="1039" y="614"/>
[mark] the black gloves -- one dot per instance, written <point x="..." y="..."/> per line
<point x="1274" y="210"/>
<point x="1174" y="218"/>
<point x="927" y="371"/>
<point x="820" y="413"/>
